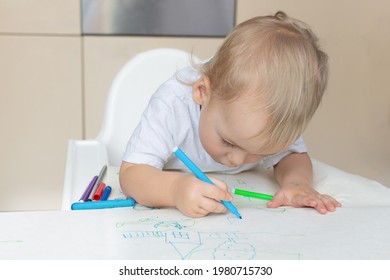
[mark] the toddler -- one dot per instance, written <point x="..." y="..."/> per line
<point x="245" y="107"/>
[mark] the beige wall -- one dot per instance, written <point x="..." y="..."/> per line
<point x="53" y="84"/>
<point x="40" y="99"/>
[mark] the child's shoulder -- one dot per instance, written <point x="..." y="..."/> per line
<point x="178" y="88"/>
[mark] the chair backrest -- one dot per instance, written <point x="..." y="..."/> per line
<point x="130" y="92"/>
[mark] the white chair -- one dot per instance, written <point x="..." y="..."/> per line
<point x="127" y="98"/>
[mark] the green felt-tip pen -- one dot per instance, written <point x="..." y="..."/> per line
<point x="253" y="194"/>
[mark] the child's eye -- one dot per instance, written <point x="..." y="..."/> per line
<point x="226" y="143"/>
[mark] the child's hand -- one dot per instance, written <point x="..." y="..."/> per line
<point x="303" y="196"/>
<point x="196" y="198"/>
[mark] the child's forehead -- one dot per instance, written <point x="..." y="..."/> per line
<point x="243" y="121"/>
<point x="247" y="126"/>
<point x="249" y="106"/>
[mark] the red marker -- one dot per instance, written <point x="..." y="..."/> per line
<point x="99" y="191"/>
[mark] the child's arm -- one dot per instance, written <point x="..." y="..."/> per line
<point x="156" y="188"/>
<point x="294" y="173"/>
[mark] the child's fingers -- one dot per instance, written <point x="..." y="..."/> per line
<point x="331" y="200"/>
<point x="220" y="184"/>
<point x="322" y="204"/>
<point x="308" y="201"/>
<point x="277" y="201"/>
<point x="319" y="206"/>
<point x="200" y="212"/>
<point x="214" y="192"/>
<point x="330" y="203"/>
<point x="212" y="206"/>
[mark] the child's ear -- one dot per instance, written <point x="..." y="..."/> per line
<point x="201" y="90"/>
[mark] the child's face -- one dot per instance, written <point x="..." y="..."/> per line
<point x="227" y="132"/>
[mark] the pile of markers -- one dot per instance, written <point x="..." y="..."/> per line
<point x="96" y="194"/>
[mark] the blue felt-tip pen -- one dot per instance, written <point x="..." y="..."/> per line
<point x="115" y="203"/>
<point x="106" y="193"/>
<point x="201" y="176"/>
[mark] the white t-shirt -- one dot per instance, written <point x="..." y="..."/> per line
<point x="171" y="120"/>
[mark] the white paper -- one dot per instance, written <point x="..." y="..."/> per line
<point x="358" y="230"/>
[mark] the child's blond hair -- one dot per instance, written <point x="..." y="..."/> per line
<point x="277" y="62"/>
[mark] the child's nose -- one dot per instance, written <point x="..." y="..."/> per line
<point x="241" y="157"/>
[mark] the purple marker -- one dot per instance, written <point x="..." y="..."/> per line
<point x="88" y="190"/>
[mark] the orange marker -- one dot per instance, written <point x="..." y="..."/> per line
<point x="99" y="191"/>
